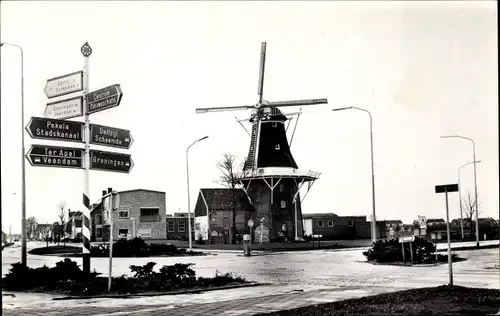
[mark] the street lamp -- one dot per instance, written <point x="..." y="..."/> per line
<point x="133" y="227"/>
<point x="460" y="195"/>
<point x="189" y="202"/>
<point x="374" y="220"/>
<point x="23" y="166"/>
<point x="475" y="181"/>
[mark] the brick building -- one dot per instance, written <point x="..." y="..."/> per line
<point x="141" y="213"/>
<point x="334" y="227"/>
<point x="73" y="225"/>
<point x="214" y="214"/>
<point x="177" y="226"/>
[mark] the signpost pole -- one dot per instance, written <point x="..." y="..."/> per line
<point x="411" y="252"/>
<point x="86" y="51"/>
<point x="448" y="235"/>
<point x="403" y="250"/>
<point x="110" y="278"/>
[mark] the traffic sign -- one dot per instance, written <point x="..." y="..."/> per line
<point x="63" y="85"/>
<point x="250" y="223"/>
<point x="51" y="156"/>
<point x="104" y="99"/>
<point x="52" y="129"/>
<point x="446" y="188"/>
<point x="109" y="161"/>
<point x="110" y="136"/>
<point x="64" y="109"/>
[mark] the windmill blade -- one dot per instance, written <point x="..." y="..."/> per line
<point x="296" y="102"/>
<point x="225" y="108"/>
<point x="260" y="88"/>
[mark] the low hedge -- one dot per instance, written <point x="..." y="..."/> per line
<point x="67" y="277"/>
<point x="390" y="251"/>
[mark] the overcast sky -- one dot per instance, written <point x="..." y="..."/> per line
<point x="423" y="69"/>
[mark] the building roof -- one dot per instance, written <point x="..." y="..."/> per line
<point x="220" y="199"/>
<point x="319" y="215"/>
<point x="133" y="190"/>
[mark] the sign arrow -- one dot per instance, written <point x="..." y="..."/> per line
<point x="109" y="161"/>
<point x="52" y="129"/>
<point x="64" y="109"/>
<point x="52" y="156"/>
<point x="65" y="84"/>
<point x="104" y="99"/>
<point x="110" y="136"/>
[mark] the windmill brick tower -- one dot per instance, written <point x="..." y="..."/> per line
<point x="271" y="178"/>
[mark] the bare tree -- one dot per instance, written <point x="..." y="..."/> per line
<point x="469" y="210"/>
<point x="62" y="218"/>
<point x="231" y="173"/>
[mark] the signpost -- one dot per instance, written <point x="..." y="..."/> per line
<point x="51" y="156"/>
<point x="110" y="136"/>
<point x="63" y="85"/>
<point x="250" y="224"/>
<point x="445" y="188"/>
<point x="64" y="109"/>
<point x="109" y="161"/>
<point x="53" y="126"/>
<point x="410" y="240"/>
<point x="104" y="99"/>
<point x="52" y="129"/>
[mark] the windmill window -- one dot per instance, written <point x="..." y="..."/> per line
<point x="275" y="124"/>
<point x="277" y="146"/>
<point x="282" y="188"/>
<point x="330" y="223"/>
<point x="350" y="223"/>
<point x="320" y="224"/>
<point x="283" y="204"/>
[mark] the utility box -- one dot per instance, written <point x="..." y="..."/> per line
<point x="247" y="251"/>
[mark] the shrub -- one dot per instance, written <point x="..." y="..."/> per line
<point x="390" y="251"/>
<point x="199" y="239"/>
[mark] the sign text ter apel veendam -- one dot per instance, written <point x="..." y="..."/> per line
<point x="51" y="156"/>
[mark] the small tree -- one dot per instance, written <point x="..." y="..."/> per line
<point x="231" y="173"/>
<point x="61" y="213"/>
<point x="469" y="210"/>
<point x="31" y="224"/>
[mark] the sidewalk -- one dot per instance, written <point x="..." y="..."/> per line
<point x="234" y="305"/>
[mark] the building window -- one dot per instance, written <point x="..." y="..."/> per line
<point x="321" y="224"/>
<point x="106" y="215"/>
<point x="330" y="223"/>
<point x="170" y="226"/>
<point x="283" y="203"/>
<point x="98" y="219"/>
<point x="282" y="188"/>
<point x="350" y="223"/>
<point x="181" y="226"/>
<point x="122" y="232"/>
<point x="150" y="214"/>
<point x="275" y="124"/>
<point x="98" y="232"/>
<point x="122" y="214"/>
<point x="277" y="147"/>
<point x="145" y="232"/>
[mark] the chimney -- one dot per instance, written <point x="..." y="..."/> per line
<point x="103" y="192"/>
<point x="110" y="190"/>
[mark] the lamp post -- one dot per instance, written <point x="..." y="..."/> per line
<point x="460" y="196"/>
<point x="189" y="201"/>
<point x="475" y="181"/>
<point x="374" y="220"/>
<point x="23" y="166"/>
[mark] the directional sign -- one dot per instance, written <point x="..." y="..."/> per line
<point x="110" y="136"/>
<point x="51" y="156"/>
<point x="51" y="129"/>
<point x="108" y="161"/>
<point x="64" y="109"/>
<point x="446" y="188"/>
<point x="104" y="99"/>
<point x="63" y="85"/>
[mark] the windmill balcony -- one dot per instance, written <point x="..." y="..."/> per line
<point x="277" y="171"/>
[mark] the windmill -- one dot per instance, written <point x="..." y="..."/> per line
<point x="270" y="163"/>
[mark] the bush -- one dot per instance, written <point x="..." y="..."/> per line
<point x="137" y="247"/>
<point x="390" y="251"/>
<point x="67" y="276"/>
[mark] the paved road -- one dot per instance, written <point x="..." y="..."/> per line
<point x="322" y="275"/>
